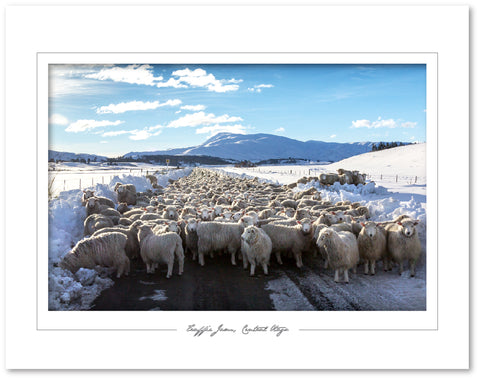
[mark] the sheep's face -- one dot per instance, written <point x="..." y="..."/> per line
<point x="218" y="210"/>
<point x="192" y="225"/>
<point x="246" y="221"/>
<point x="340" y="216"/>
<point x="91" y="202"/>
<point x="306" y="225"/>
<point x="237" y="216"/>
<point x="121" y="189"/>
<point x="301" y="214"/>
<point x="289" y="212"/>
<point x="227" y="214"/>
<point x="173" y="227"/>
<point x="250" y="234"/>
<point x="324" y="235"/>
<point x="370" y="229"/>
<point x="88" y="193"/>
<point x="408" y="228"/>
<point x="205" y="214"/>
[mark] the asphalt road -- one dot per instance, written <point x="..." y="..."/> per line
<point x="220" y="286"/>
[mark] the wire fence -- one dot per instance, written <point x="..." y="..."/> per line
<point x="80" y="179"/>
<point x="315" y="172"/>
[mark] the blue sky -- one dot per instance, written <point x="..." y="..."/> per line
<point x="115" y="109"/>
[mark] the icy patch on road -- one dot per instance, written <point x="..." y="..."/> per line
<point x="158" y="295"/>
<point x="285" y="295"/>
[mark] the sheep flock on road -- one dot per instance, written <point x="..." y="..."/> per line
<point x="207" y="214"/>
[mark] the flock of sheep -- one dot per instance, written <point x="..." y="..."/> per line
<point x="208" y="214"/>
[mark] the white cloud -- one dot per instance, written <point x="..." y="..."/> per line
<point x="85" y="125"/>
<point x="201" y="118"/>
<point x="133" y="74"/>
<point x="214" y="129"/>
<point x="104" y="142"/>
<point x="409" y="124"/>
<point x="114" y="133"/>
<point x="333" y="136"/>
<point x="57" y="119"/>
<point x="382" y="123"/>
<point x="198" y="107"/>
<point x="140" y="135"/>
<point x="258" y="87"/>
<point x="200" y="78"/>
<point x="175" y="83"/>
<point x="281" y="129"/>
<point x="137" y="106"/>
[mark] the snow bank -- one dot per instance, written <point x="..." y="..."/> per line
<point x="66" y="214"/>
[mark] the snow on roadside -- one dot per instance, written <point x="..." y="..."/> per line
<point x="66" y="214"/>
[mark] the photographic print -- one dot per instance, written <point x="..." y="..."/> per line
<point x="245" y="187"/>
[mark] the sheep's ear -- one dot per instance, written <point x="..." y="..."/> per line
<point x="241" y="219"/>
<point x="298" y="222"/>
<point x="333" y="213"/>
<point x="222" y="215"/>
<point x="416" y="222"/>
<point x="363" y="224"/>
<point x="400" y="223"/>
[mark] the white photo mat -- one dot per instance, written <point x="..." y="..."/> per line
<point x="412" y="333"/>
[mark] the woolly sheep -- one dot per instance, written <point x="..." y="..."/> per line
<point x="404" y="244"/>
<point x="216" y="236"/>
<point x="107" y="250"/>
<point x="191" y="237"/>
<point x="132" y="248"/>
<point x="206" y="214"/>
<point x="292" y="239"/>
<point x="126" y="193"/>
<point x="372" y="245"/>
<point x="342" y="250"/>
<point x="256" y="247"/>
<point x="158" y="249"/>
<point x="95" y="222"/>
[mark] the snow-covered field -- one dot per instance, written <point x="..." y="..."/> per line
<point x="385" y="199"/>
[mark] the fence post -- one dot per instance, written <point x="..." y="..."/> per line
<point x="103" y="180"/>
<point x="64" y="184"/>
<point x="380" y="176"/>
<point x="80" y="184"/>
<point x="415" y="179"/>
<point x="92" y="181"/>
<point x="396" y="178"/>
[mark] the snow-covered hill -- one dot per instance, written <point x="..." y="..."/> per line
<point x="68" y="156"/>
<point x="261" y="146"/>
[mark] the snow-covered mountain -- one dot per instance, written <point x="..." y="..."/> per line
<point x="67" y="156"/>
<point x="261" y="146"/>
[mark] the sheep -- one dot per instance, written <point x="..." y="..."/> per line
<point x="293" y="239"/>
<point x="191" y="237"/>
<point x="256" y="247"/>
<point x="134" y="211"/>
<point x="289" y="203"/>
<point x="328" y="178"/>
<point x="214" y="236"/>
<point x="404" y="244"/>
<point x="86" y="195"/>
<point x="122" y="208"/>
<point x="93" y="206"/>
<point x="111" y="213"/>
<point x="94" y="222"/>
<point x="155" y="249"/>
<point x="132" y="248"/>
<point x="107" y="250"/>
<point x="372" y="245"/>
<point x="126" y="193"/>
<point x="342" y="250"/>
<point x="171" y="213"/>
